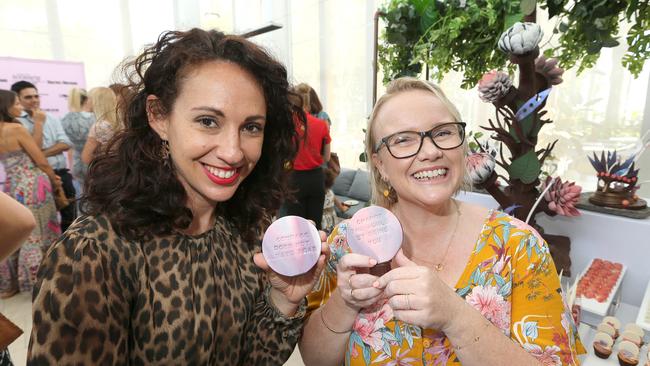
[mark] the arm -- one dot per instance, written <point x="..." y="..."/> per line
<point x="340" y="205"/>
<point x="267" y="323"/>
<point x="419" y="297"/>
<point x="62" y="141"/>
<point x="14" y="228"/>
<point x="327" y="140"/>
<point x="280" y="312"/>
<point x="56" y="149"/>
<point x="88" y="152"/>
<point x="28" y="144"/>
<point x="326" y="152"/>
<point x="38" y="117"/>
<point x="333" y="310"/>
<point x="81" y="309"/>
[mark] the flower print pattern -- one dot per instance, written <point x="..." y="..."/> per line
<point x="548" y="356"/>
<point x="491" y="305"/>
<point x="30" y="186"/>
<point x="510" y="262"/>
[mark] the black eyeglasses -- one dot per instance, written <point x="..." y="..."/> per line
<point x="402" y="145"/>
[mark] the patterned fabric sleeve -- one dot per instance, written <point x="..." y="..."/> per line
<point x="273" y="336"/>
<point x="540" y="320"/>
<point x="327" y="282"/>
<point x="82" y="295"/>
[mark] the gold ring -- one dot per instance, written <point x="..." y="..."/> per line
<point x="408" y="302"/>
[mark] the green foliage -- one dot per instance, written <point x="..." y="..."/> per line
<point x="400" y="35"/>
<point x="462" y="35"/>
<point x="473" y="141"/>
<point x="586" y="26"/>
<point x="454" y="35"/>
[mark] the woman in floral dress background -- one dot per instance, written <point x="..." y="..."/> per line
<point x="470" y="286"/>
<point x="29" y="181"/>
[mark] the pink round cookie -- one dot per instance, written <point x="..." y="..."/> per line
<point x="291" y="245"/>
<point x="375" y="232"/>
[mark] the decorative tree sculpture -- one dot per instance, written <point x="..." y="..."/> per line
<point x="519" y="118"/>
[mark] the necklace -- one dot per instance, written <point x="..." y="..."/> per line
<point x="441" y="265"/>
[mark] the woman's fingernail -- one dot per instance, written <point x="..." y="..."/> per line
<point x="373" y="262"/>
<point x="375" y="284"/>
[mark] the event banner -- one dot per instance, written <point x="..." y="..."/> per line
<point x="53" y="79"/>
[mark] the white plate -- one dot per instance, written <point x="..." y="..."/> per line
<point x="351" y="202"/>
<point x="600" y="308"/>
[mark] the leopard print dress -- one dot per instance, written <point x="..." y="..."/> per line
<point x="175" y="300"/>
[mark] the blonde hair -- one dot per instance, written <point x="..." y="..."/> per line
<point x="303" y="90"/>
<point x="76" y="98"/>
<point x="105" y="106"/>
<point x="396" y="87"/>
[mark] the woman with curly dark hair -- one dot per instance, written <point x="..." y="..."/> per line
<point x="162" y="267"/>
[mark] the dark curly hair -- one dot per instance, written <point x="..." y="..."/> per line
<point x="129" y="182"/>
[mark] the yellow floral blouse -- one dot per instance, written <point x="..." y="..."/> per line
<point x="510" y="278"/>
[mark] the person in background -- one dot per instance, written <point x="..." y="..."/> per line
<point x="307" y="176"/>
<point x="164" y="268"/>
<point x="316" y="108"/>
<point x="331" y="203"/>
<point x="107" y="122"/>
<point x="16" y="224"/>
<point x="122" y="93"/>
<point x="29" y="181"/>
<point x="469" y="285"/>
<point x="49" y="137"/>
<point x="76" y="124"/>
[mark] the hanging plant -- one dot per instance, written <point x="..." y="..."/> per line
<point x="462" y="35"/>
<point x="586" y="27"/>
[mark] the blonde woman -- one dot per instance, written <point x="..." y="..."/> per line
<point x="76" y="124"/>
<point x="470" y="286"/>
<point x="107" y="124"/>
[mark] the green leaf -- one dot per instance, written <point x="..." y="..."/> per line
<point x="511" y="19"/>
<point x="564" y="27"/>
<point x="363" y="158"/>
<point x="528" y="6"/>
<point x="428" y="17"/>
<point x="420" y="5"/>
<point x="525" y="168"/>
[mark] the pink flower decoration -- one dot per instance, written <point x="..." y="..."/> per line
<point x="479" y="166"/>
<point x="547" y="357"/>
<point x="562" y="197"/>
<point x="494" y="85"/>
<point x="491" y="305"/>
